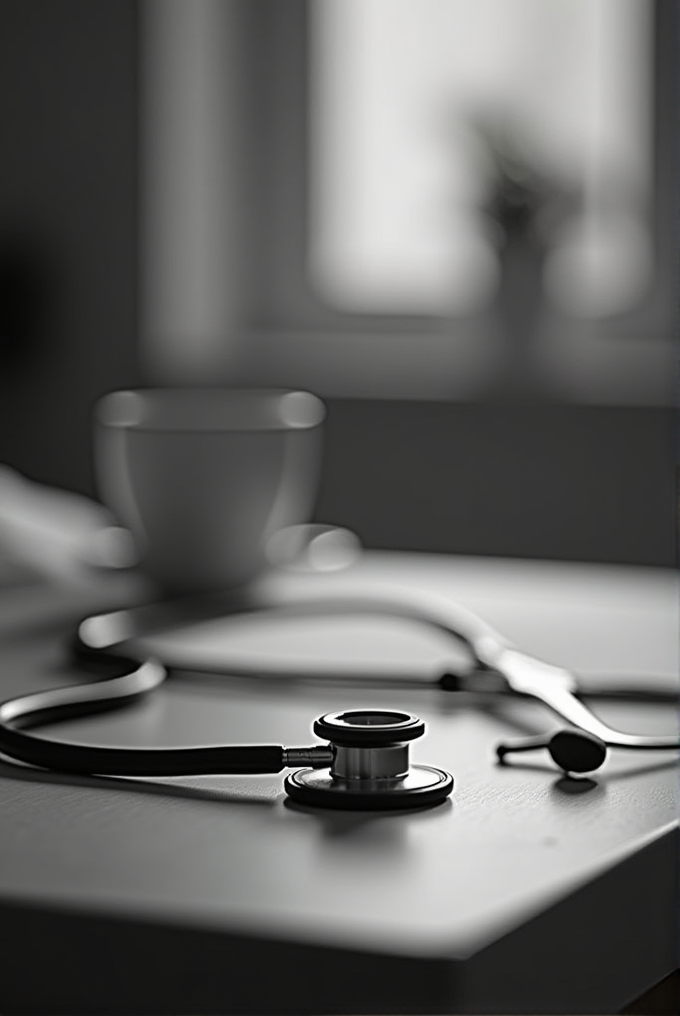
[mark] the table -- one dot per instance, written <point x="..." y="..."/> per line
<point x="523" y="893"/>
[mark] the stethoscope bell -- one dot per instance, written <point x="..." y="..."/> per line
<point x="370" y="767"/>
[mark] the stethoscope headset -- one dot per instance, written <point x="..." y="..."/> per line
<point x="364" y="760"/>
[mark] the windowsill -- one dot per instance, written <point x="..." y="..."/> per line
<point x="429" y="365"/>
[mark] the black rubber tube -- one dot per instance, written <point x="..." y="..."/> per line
<point x="94" y="761"/>
<point x="139" y="677"/>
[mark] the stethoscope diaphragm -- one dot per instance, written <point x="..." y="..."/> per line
<point x="423" y="786"/>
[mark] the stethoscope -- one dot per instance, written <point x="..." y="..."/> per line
<point x="364" y="760"/>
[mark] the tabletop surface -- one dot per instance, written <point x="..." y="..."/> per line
<point x="233" y="853"/>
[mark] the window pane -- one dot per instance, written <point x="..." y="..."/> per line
<point x="423" y="109"/>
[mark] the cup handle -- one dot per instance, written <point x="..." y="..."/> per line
<point x="313" y="547"/>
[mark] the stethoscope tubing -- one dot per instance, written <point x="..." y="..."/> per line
<point x="100" y="642"/>
<point x="139" y="679"/>
<point x="500" y="666"/>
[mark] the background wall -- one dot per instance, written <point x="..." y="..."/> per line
<point x="68" y="210"/>
<point x="587" y="483"/>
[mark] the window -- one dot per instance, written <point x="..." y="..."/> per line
<point x="312" y="217"/>
<point x="422" y="111"/>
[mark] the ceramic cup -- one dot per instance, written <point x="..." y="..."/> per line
<point x="203" y="479"/>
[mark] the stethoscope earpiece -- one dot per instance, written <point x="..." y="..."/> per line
<point x="370" y="765"/>
<point x="577" y="751"/>
<point x="574" y="751"/>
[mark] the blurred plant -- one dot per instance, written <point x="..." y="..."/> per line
<point x="517" y="195"/>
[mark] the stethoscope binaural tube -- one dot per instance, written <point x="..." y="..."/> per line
<point x="501" y="667"/>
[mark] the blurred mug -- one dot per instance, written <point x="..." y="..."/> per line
<point x="204" y="479"/>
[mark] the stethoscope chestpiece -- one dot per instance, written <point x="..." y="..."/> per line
<point x="370" y="766"/>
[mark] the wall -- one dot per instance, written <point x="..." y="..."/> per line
<point x="68" y="246"/>
<point x="585" y="483"/>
